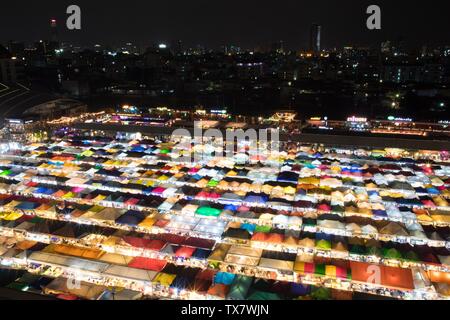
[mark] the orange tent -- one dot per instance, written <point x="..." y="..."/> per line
<point x="260" y="236"/>
<point x="387" y="276"/>
<point x="439" y="277"/>
<point x="397" y="277"/>
<point x="219" y="290"/>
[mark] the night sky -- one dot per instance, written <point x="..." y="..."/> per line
<point x="247" y="23"/>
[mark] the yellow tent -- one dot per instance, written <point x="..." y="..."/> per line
<point x="148" y="222"/>
<point x="164" y="279"/>
<point x="13" y="216"/>
<point x="77" y="251"/>
<point x="232" y="173"/>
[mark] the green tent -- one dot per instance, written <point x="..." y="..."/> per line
<point x="261" y="295"/>
<point x="412" y="256"/>
<point x="6" y="173"/>
<point x="319" y="269"/>
<point x="391" y="254"/>
<point x="374" y="251"/>
<point x="36" y="220"/>
<point x="356" y="249"/>
<point x="208" y="211"/>
<point x="212" y="183"/>
<point x="17" y="286"/>
<point x="323" y="244"/>
<point x="349" y="274"/>
<point x="321" y="294"/>
<point x="310" y="222"/>
<point x="262" y="229"/>
<point x="214" y="265"/>
<point x="239" y="288"/>
<point x="339" y="209"/>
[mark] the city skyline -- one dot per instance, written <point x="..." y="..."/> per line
<point x="248" y="25"/>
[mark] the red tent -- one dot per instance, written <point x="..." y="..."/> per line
<point x="145" y="243"/>
<point x="207" y="274"/>
<point x="32" y="184"/>
<point x="172" y="238"/>
<point x="161" y="223"/>
<point x="185" y="252"/>
<point x="199" y="243"/>
<point x="132" y="201"/>
<point x="147" y="264"/>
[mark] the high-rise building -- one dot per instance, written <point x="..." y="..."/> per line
<point x="53" y="44"/>
<point x="278" y="47"/>
<point x="7" y="66"/>
<point x="179" y="47"/>
<point x="17" y="49"/>
<point x="54" y="30"/>
<point x="315" y="38"/>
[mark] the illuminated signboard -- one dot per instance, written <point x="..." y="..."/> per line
<point x="392" y="118"/>
<point x="223" y="111"/>
<point x="14" y="121"/>
<point x="356" y="119"/>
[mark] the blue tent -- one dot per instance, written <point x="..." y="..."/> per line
<point x="249" y="227"/>
<point x="28" y="205"/>
<point x="421" y="190"/>
<point x="224" y="278"/>
<point x="230" y="207"/>
<point x="49" y="191"/>
<point x="288" y="176"/>
<point x="255" y="199"/>
<point x="40" y="190"/>
<point x="380" y="213"/>
<point x="324" y="236"/>
<point x="298" y="289"/>
<point x="318" y="155"/>
<point x="56" y="163"/>
<point x="433" y="191"/>
<point x="201" y="253"/>
<point x="138" y="149"/>
<point x="147" y="191"/>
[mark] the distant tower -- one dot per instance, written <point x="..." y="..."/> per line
<point x="180" y="47"/>
<point x="54" y="30"/>
<point x="315" y="38"/>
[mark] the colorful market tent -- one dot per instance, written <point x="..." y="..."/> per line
<point x="240" y="288"/>
<point x="208" y="211"/>
<point x="147" y="264"/>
